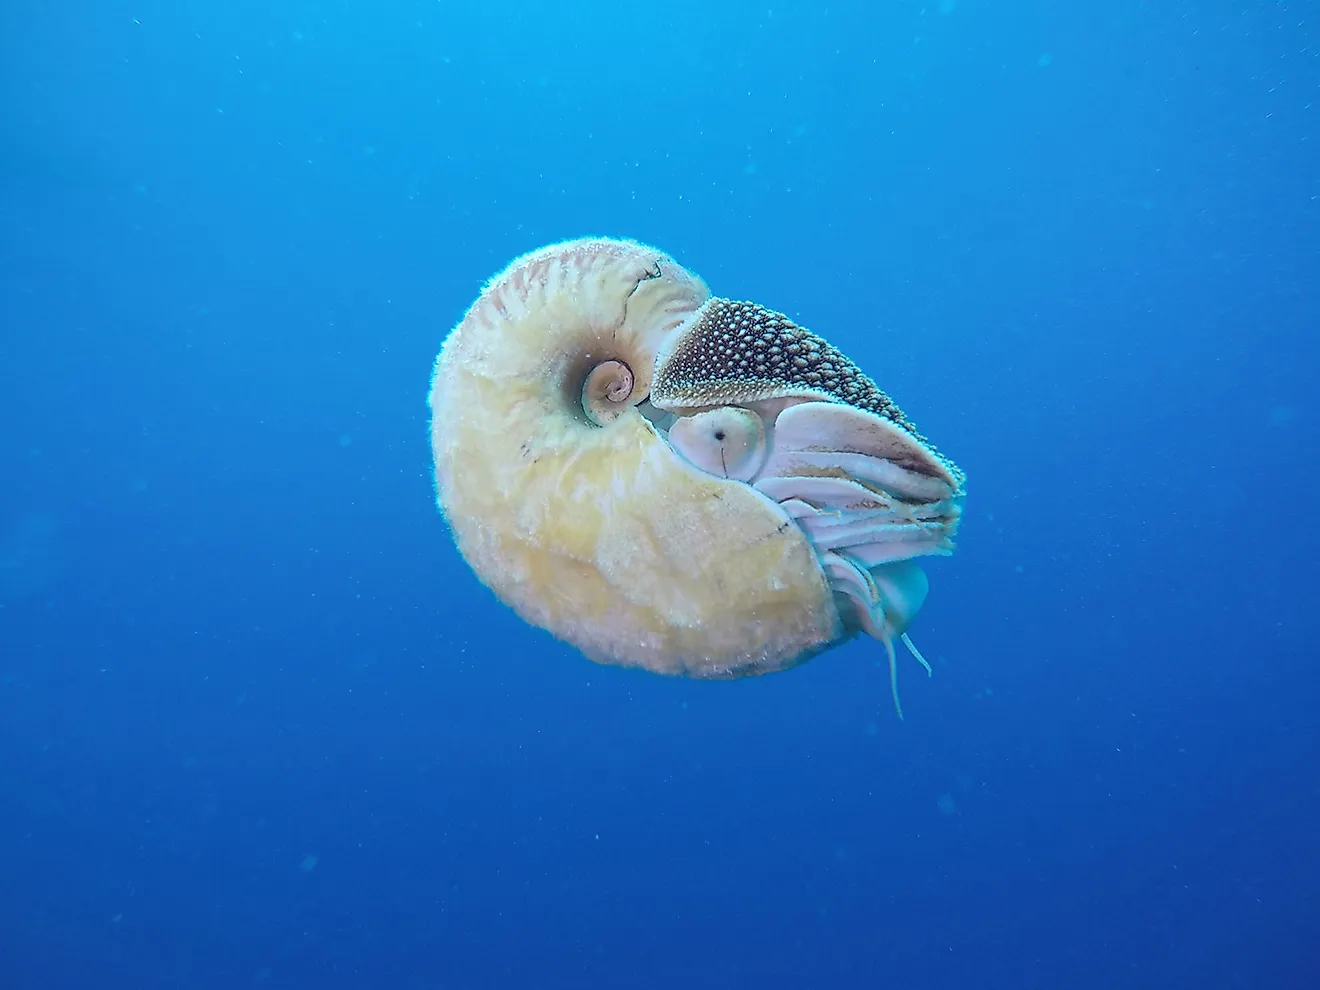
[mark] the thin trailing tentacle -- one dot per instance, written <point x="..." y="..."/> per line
<point x="912" y="648"/>
<point x="893" y="674"/>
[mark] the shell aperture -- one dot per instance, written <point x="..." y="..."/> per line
<point x="677" y="482"/>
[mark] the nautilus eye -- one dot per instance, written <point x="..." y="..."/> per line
<point x="728" y="442"/>
<point x="755" y="500"/>
<point x="607" y="391"/>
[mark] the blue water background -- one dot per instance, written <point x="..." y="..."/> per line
<point x="260" y="726"/>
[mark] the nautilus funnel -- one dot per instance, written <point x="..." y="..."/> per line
<point x="676" y="481"/>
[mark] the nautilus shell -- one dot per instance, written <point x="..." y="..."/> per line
<point x="676" y="481"/>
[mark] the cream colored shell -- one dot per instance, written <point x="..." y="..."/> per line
<point x="603" y="534"/>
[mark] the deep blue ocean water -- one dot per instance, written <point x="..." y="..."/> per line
<point x="261" y="727"/>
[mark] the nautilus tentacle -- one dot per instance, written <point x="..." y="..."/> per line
<point x="678" y="482"/>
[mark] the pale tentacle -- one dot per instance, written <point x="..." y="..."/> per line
<point x="912" y="648"/>
<point x="893" y="674"/>
<point x="882" y="601"/>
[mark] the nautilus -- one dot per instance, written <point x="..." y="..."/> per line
<point x="676" y="481"/>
